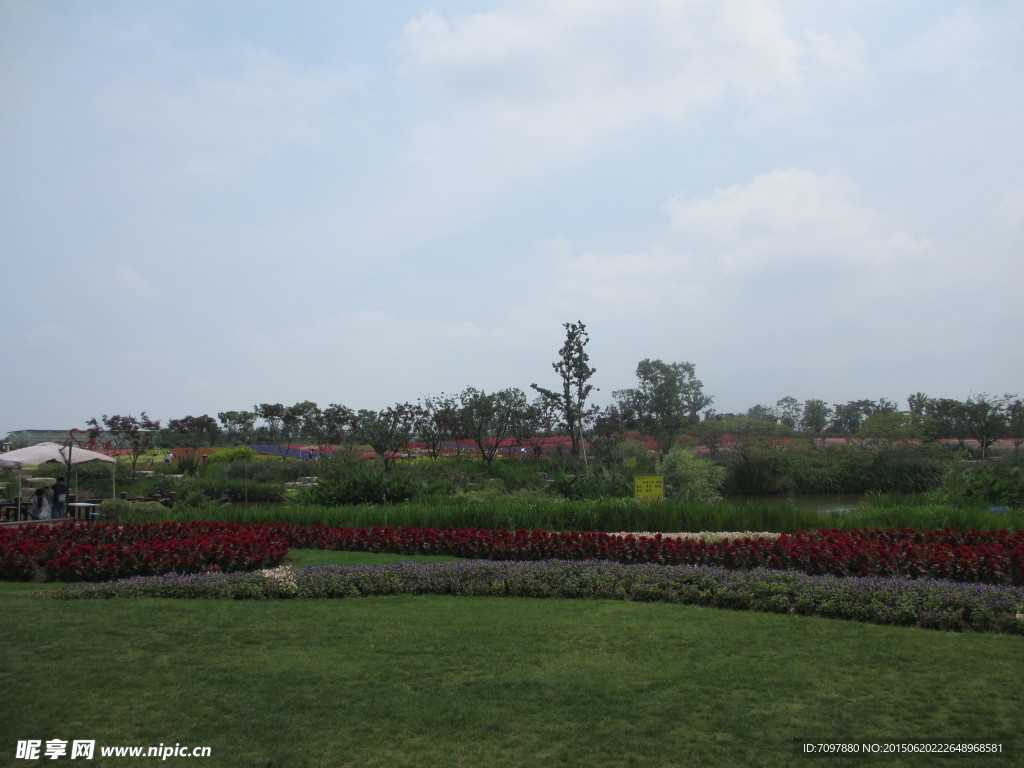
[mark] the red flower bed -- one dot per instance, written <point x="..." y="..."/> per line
<point x="98" y="551"/>
<point x="994" y="557"/>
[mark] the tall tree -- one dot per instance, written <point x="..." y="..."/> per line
<point x="488" y="419"/>
<point x="273" y="415"/>
<point x="137" y="434"/>
<point x="328" y="426"/>
<point x="917" y="403"/>
<point x="535" y="425"/>
<point x="574" y="369"/>
<point x="816" y="416"/>
<point x="608" y="433"/>
<point x="788" y="411"/>
<point x="1015" y="424"/>
<point x="984" y="418"/>
<point x="668" y="398"/>
<point x="296" y="419"/>
<point x="944" y="419"/>
<point x="388" y="431"/>
<point x="437" y="421"/>
<point x="847" y="418"/>
<point x="239" y="426"/>
<point x="194" y="433"/>
<point x="888" y="427"/>
<point x="762" y="413"/>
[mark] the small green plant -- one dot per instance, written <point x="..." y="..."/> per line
<point x="999" y="484"/>
<point x="194" y="499"/>
<point x="600" y="483"/>
<point x="366" y="487"/>
<point x="188" y="465"/>
<point x="691" y="478"/>
<point x="234" y="490"/>
<point x="124" y="511"/>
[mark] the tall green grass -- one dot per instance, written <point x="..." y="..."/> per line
<point x="610" y="515"/>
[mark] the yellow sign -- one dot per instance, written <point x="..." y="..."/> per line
<point x="649" y="487"/>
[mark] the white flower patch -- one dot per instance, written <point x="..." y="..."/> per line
<point x="281" y="580"/>
<point x="708" y="536"/>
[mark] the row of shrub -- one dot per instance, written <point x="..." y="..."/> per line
<point x="922" y="603"/>
<point x="746" y="470"/>
<point x="836" y="469"/>
<point x="488" y="508"/>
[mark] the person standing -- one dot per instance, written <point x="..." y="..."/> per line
<point x="60" y="498"/>
<point x="41" y="504"/>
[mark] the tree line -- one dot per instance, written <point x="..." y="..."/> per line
<point x="667" y="404"/>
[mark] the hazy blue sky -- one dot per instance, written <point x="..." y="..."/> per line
<point x="207" y="205"/>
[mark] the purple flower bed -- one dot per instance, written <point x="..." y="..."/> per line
<point x="924" y="603"/>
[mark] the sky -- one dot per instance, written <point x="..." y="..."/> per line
<point x="210" y="204"/>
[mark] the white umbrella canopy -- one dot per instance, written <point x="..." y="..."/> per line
<point x="71" y="454"/>
<point x="32" y="456"/>
<point x="40" y="453"/>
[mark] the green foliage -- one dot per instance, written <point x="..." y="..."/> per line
<point x="991" y="483"/>
<point x="489" y="507"/>
<point x="836" y="469"/>
<point x="188" y="465"/>
<point x="816" y="415"/>
<point x="690" y="478"/>
<point x="366" y="487"/>
<point x="488" y="418"/>
<point x="239" y="491"/>
<point x="194" y="499"/>
<point x="891" y="427"/>
<point x="240" y="453"/>
<point x="600" y="483"/>
<point x="125" y="511"/>
<point x="633" y="450"/>
<point x="575" y="372"/>
<point x="667" y="398"/>
<point x="387" y="431"/>
<point x="515" y="474"/>
<point x="157" y="485"/>
<point x="267" y="470"/>
<point x="136" y="433"/>
<point x="754" y="471"/>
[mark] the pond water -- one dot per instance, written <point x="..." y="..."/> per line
<point x="822" y="503"/>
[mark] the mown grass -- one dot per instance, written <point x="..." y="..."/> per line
<point x="301" y="558"/>
<point x="442" y="681"/>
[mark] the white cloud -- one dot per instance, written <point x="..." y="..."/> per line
<point x="837" y="60"/>
<point x="385" y="356"/>
<point x="629" y="285"/>
<point x="391" y="205"/>
<point x="212" y="118"/>
<point x="538" y="84"/>
<point x="953" y="46"/>
<point x="47" y="338"/>
<point x="1010" y="211"/>
<point x="782" y="217"/>
<point x="788" y="226"/>
<point x="659" y="58"/>
<point x="128" y="280"/>
<point x="792" y="274"/>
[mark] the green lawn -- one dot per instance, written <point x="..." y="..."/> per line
<point x="439" y="681"/>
